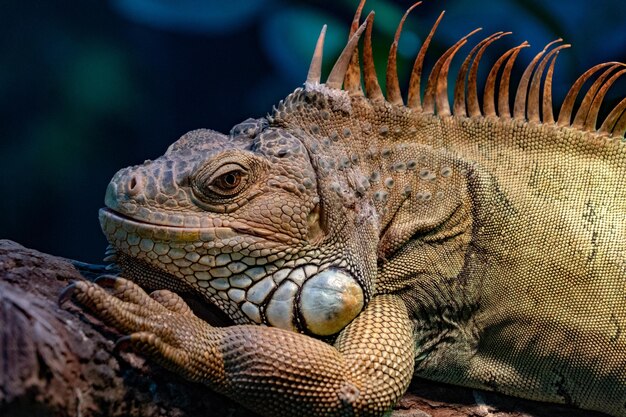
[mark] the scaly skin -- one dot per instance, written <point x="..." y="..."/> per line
<point x="486" y="251"/>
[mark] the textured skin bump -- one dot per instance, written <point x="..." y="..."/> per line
<point x="329" y="301"/>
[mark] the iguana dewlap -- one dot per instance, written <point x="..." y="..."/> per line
<point x="378" y="240"/>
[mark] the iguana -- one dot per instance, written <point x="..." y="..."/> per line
<point x="356" y="240"/>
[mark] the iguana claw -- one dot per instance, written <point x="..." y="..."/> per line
<point x="66" y="295"/>
<point x="160" y="325"/>
<point x="107" y="281"/>
<point x="121" y="344"/>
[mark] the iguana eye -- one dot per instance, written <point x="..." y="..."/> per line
<point x="226" y="181"/>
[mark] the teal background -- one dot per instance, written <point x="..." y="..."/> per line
<point x="89" y="87"/>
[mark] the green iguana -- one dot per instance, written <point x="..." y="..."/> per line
<point x="356" y="240"/>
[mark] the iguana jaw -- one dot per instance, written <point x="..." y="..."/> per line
<point x="250" y="278"/>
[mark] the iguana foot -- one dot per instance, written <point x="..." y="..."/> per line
<point x="270" y="370"/>
<point x="160" y="325"/>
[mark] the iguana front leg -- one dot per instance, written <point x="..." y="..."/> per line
<point x="269" y="370"/>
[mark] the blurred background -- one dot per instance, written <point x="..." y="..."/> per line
<point x="87" y="88"/>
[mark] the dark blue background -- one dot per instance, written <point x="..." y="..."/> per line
<point x="89" y="87"/>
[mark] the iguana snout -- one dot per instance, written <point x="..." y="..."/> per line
<point x="238" y="219"/>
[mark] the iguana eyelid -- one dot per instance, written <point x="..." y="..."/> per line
<point x="205" y="186"/>
<point x="217" y="183"/>
<point x="226" y="169"/>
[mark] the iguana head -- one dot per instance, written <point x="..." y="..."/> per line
<point x="244" y="221"/>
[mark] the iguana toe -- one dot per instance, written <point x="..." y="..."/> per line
<point x="171" y="301"/>
<point x="160" y="326"/>
<point x="107" y="281"/>
<point x="166" y="354"/>
<point x="152" y="346"/>
<point x="128" y="307"/>
<point x="126" y="290"/>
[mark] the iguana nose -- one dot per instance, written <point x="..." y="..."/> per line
<point x="134" y="185"/>
<point x="110" y="196"/>
<point x="123" y="186"/>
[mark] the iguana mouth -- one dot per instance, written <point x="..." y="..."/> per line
<point x="119" y="225"/>
<point x="126" y="218"/>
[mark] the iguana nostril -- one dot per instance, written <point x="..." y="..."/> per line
<point x="134" y="185"/>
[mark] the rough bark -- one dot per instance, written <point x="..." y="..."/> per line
<point x="61" y="362"/>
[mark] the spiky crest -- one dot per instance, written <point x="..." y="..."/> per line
<point x="352" y="81"/>
<point x="533" y="103"/>
<point x="394" y="95"/>
<point x="460" y="101"/>
<point x="441" y="79"/>
<point x="532" y="107"/>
